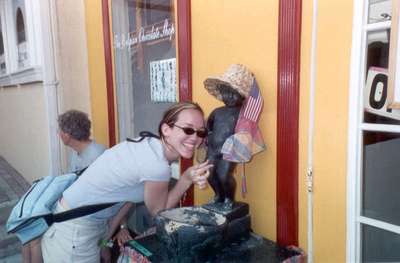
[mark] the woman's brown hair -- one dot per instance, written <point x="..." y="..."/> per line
<point x="172" y="113"/>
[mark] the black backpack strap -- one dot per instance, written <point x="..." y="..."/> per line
<point x="79" y="172"/>
<point x="75" y="213"/>
<point x="143" y="134"/>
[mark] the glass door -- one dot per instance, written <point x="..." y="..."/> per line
<point x="377" y="216"/>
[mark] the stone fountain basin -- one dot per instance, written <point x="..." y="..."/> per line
<point x="188" y="231"/>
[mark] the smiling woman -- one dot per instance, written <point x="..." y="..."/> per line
<point x="176" y="139"/>
<point x="129" y="172"/>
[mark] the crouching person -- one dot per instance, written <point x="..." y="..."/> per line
<point x="74" y="131"/>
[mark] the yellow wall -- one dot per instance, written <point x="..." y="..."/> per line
<point x="97" y="77"/>
<point x="243" y="31"/>
<point x="330" y="132"/>
<point x="226" y="32"/>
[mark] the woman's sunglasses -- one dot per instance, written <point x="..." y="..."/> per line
<point x="202" y="133"/>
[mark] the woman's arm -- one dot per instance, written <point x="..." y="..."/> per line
<point x="115" y="222"/>
<point x="157" y="197"/>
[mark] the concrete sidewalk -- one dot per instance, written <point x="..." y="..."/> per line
<point x="12" y="187"/>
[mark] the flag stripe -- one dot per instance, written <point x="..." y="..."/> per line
<point x="253" y="108"/>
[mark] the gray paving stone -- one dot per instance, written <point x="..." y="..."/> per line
<point x="12" y="184"/>
<point x="4" y="173"/>
<point x="3" y="197"/>
<point x="12" y="187"/>
<point x="6" y="189"/>
<point x="5" y="212"/>
<point x="11" y="172"/>
<point x="9" y="244"/>
<point x="12" y="259"/>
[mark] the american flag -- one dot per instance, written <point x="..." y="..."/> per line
<point x="254" y="103"/>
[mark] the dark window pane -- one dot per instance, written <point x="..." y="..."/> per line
<point x="2" y="56"/>
<point x="379" y="245"/>
<point x="1" y="44"/>
<point x="381" y="177"/>
<point x="20" y="27"/>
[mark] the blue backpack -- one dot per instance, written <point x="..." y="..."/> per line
<point x="33" y="213"/>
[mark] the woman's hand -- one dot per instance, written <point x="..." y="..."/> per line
<point x="122" y="236"/>
<point x="198" y="174"/>
<point x="156" y="194"/>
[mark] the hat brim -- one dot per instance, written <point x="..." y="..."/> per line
<point x="211" y="85"/>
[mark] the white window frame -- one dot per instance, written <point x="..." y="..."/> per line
<point x="33" y="71"/>
<point x="356" y="128"/>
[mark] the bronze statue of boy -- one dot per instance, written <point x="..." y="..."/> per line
<point x="232" y="88"/>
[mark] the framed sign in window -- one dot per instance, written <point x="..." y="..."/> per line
<point x="394" y="59"/>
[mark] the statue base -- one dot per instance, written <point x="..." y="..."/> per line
<point x="205" y="234"/>
<point x="253" y="249"/>
<point x="239" y="209"/>
<point x="190" y="231"/>
<point x="238" y="219"/>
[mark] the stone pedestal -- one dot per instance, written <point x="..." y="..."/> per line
<point x="208" y="234"/>
<point x="190" y="231"/>
<point x="238" y="220"/>
<point x="254" y="249"/>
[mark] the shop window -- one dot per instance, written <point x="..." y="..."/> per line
<point x="374" y="230"/>
<point x="145" y="59"/>
<point x="19" y="52"/>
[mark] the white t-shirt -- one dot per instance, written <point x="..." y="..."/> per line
<point x="82" y="160"/>
<point x="118" y="175"/>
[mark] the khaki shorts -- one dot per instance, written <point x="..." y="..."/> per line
<point x="73" y="241"/>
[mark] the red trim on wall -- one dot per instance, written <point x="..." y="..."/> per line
<point x="109" y="72"/>
<point x="288" y="121"/>
<point x="185" y="73"/>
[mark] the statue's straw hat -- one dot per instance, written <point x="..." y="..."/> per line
<point x="236" y="76"/>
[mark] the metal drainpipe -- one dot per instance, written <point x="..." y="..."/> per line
<point x="50" y="84"/>
<point x="310" y="152"/>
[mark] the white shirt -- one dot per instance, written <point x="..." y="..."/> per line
<point x="119" y="174"/>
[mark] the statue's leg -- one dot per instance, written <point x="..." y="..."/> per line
<point x="214" y="181"/>
<point x="225" y="175"/>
